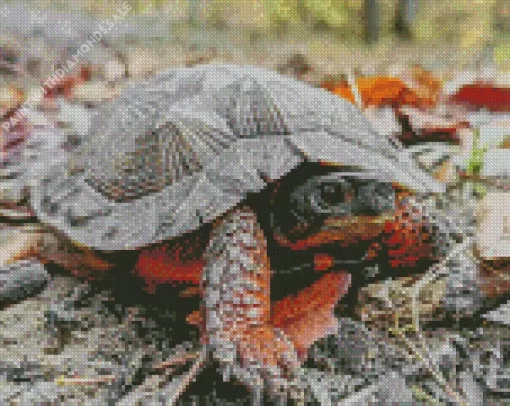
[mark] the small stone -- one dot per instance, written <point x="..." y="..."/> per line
<point x="471" y="388"/>
<point x="446" y="358"/>
<point x="40" y="393"/>
<point x="501" y="315"/>
<point x="393" y="389"/>
<point x="21" y="279"/>
<point x="462" y="297"/>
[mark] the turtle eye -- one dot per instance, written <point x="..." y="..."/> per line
<point x="334" y="193"/>
<point x="333" y="196"/>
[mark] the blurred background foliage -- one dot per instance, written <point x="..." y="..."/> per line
<point x="318" y="26"/>
<point x="464" y="20"/>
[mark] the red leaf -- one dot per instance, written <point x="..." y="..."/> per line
<point x="483" y="95"/>
<point x="308" y="316"/>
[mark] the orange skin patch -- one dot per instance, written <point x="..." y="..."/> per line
<point x="173" y="262"/>
<point x="304" y="317"/>
<point x="322" y="262"/>
<point x="159" y="267"/>
<point x="406" y="242"/>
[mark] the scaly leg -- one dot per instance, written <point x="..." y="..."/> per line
<point x="238" y="327"/>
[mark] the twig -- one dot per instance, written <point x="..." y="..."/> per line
<point x="428" y="365"/>
<point x="177" y="359"/>
<point x="63" y="381"/>
<point x="351" y="80"/>
<point x="435" y="272"/>
<point x="159" y="382"/>
<point x="421" y="395"/>
<point x="491" y="181"/>
<point x="179" y="386"/>
<point x="359" y="398"/>
<point x="8" y="215"/>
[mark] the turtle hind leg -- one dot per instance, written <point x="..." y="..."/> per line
<point x="238" y="327"/>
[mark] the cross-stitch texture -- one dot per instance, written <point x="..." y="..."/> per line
<point x="254" y="202"/>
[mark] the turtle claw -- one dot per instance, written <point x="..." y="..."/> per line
<point x="264" y="360"/>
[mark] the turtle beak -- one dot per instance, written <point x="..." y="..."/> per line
<point x="352" y="229"/>
<point x="344" y="230"/>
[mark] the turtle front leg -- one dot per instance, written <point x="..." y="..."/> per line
<point x="238" y="327"/>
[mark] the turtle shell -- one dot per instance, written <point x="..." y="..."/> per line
<point x="182" y="148"/>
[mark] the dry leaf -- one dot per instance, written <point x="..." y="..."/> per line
<point x="483" y="96"/>
<point x="308" y="316"/>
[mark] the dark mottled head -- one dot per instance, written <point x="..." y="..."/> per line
<point x="315" y="199"/>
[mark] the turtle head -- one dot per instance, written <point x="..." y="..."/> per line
<point x="331" y="206"/>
